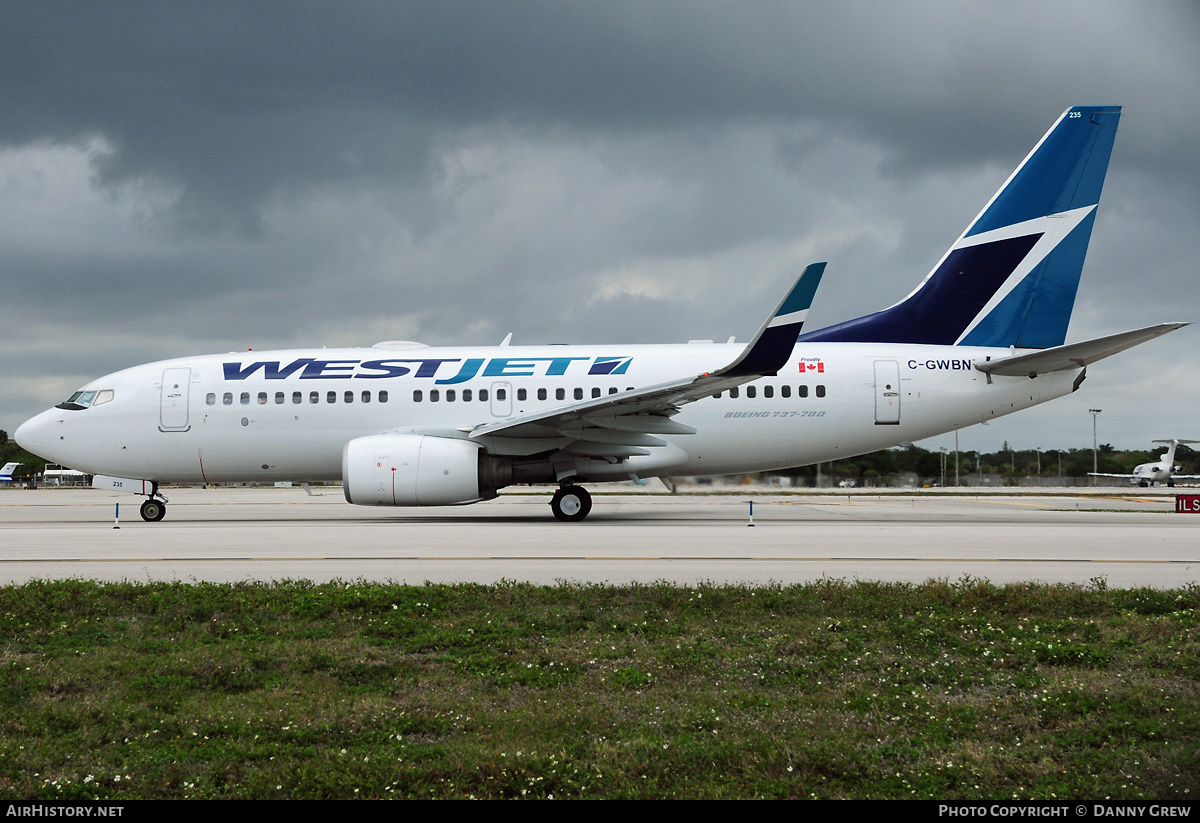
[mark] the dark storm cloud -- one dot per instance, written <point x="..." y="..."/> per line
<point x="234" y="100"/>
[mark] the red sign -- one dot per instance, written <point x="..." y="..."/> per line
<point x="1187" y="504"/>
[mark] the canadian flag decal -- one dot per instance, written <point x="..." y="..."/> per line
<point x="817" y="366"/>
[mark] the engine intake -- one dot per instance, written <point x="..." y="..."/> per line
<point x="419" y="470"/>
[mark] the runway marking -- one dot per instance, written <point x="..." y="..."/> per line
<point x="586" y="558"/>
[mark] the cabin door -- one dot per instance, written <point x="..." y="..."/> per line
<point x="887" y="393"/>
<point x="173" y="398"/>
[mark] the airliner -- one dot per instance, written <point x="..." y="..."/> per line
<point x="1162" y="470"/>
<point x="402" y="424"/>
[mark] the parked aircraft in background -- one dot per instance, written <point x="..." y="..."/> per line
<point x="1162" y="470"/>
<point x="401" y="424"/>
<point x="6" y="473"/>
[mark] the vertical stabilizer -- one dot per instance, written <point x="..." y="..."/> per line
<point x="1011" y="278"/>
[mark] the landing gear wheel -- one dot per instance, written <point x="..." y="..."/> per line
<point x="571" y="504"/>
<point x="153" y="510"/>
<point x="1143" y="484"/>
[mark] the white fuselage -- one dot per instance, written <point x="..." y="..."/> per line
<point x="1160" y="472"/>
<point x="287" y="415"/>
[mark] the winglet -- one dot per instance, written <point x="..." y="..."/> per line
<point x="770" y="349"/>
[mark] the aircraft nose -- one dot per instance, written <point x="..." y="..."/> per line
<point x="34" y="434"/>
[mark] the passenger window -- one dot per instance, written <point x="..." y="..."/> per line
<point x="734" y="392"/>
<point x="383" y="395"/>
<point x="560" y="394"/>
<point x="434" y="395"/>
<point x="449" y="395"/>
<point x="245" y="398"/>
<point x="227" y="398"/>
<point x="211" y="399"/>
<point x="331" y="397"/>
<point x="820" y="391"/>
<point x="802" y="391"/>
<point x="785" y="391"/>
<point x="522" y="394"/>
<point x="466" y="395"/>
<point x="579" y="394"/>
<point x="366" y="397"/>
<point x="348" y="397"/>
<point x="417" y="396"/>
<point x="501" y="394"/>
<point x="483" y="394"/>
<point x="595" y="391"/>
<point x="541" y="394"/>
<point x="613" y="389"/>
<point x="751" y="391"/>
<point x="314" y="397"/>
<point x="297" y="397"/>
<point x="768" y="391"/>
<point x="279" y="398"/>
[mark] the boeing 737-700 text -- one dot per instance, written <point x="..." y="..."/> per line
<point x="402" y="424"/>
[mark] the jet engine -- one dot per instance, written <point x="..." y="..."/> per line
<point x="419" y="470"/>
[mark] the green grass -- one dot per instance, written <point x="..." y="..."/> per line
<point x="297" y="690"/>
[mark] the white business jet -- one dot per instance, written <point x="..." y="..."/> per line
<point x="402" y="424"/>
<point x="1162" y="470"/>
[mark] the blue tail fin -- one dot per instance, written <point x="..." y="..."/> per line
<point x="1010" y="280"/>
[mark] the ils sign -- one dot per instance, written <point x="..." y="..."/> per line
<point x="1187" y="503"/>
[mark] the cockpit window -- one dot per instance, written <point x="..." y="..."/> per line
<point x="86" y="399"/>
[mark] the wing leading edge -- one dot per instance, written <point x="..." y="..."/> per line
<point x="624" y="424"/>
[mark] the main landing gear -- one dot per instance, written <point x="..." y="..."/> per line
<point x="571" y="503"/>
<point x="155" y="507"/>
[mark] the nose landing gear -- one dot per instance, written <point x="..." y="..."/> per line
<point x="155" y="507"/>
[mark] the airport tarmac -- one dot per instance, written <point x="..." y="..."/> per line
<point x="1128" y="538"/>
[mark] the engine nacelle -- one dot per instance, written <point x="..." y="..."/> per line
<point x="418" y="470"/>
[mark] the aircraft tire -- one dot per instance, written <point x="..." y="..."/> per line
<point x="153" y="510"/>
<point x="571" y="504"/>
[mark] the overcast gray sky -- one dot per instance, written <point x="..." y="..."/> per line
<point x="182" y="178"/>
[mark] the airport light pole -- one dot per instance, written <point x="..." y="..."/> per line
<point x="1095" y="462"/>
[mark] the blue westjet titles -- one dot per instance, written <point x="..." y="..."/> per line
<point x="401" y="424"/>
<point x="310" y="368"/>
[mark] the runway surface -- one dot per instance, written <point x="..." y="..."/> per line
<point x="224" y="535"/>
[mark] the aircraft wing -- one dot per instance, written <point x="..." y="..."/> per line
<point x="620" y="425"/>
<point x="1122" y="476"/>
<point x="1073" y="355"/>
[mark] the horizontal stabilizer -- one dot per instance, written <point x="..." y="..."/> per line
<point x="1073" y="355"/>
